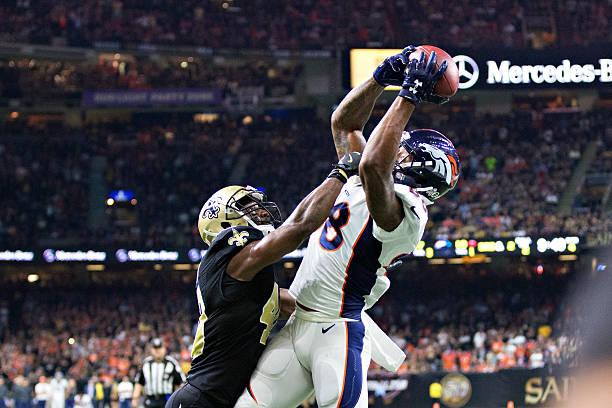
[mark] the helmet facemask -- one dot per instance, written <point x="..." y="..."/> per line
<point x="251" y="204"/>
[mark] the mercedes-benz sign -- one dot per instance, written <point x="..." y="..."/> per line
<point x="468" y="71"/>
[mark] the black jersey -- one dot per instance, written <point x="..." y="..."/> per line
<point x="235" y="320"/>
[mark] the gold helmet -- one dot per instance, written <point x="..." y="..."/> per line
<point x="235" y="206"/>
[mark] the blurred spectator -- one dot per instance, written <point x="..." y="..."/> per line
<point x="173" y="165"/>
<point x="298" y="24"/>
<point x="124" y="390"/>
<point x="89" y="395"/>
<point x="22" y="392"/>
<point x="109" y="389"/>
<point x="98" y="399"/>
<point x="43" y="392"/>
<point x="58" y="391"/>
<point x="472" y="320"/>
<point x="3" y="392"/>
<point x="62" y="82"/>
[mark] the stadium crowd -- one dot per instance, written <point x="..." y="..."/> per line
<point x="507" y="188"/>
<point x="31" y="80"/>
<point x="475" y="322"/>
<point x="306" y="24"/>
<point x="470" y="320"/>
<point x="515" y="169"/>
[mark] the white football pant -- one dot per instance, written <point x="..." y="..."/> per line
<point x="330" y="359"/>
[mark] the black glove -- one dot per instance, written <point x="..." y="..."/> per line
<point x="347" y="166"/>
<point x="420" y="79"/>
<point x="391" y="71"/>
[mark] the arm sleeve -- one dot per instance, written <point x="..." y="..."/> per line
<point x="140" y="377"/>
<point x="413" y="224"/>
<point x="179" y="377"/>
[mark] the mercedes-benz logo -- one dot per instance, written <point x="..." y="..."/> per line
<point x="468" y="71"/>
<point x="122" y="255"/>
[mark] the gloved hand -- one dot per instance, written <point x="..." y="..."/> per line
<point x="347" y="166"/>
<point x="391" y="71"/>
<point x="420" y="80"/>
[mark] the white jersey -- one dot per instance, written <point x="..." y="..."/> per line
<point x="58" y="393"/>
<point x="343" y="270"/>
<point x="42" y="391"/>
<point x="125" y="390"/>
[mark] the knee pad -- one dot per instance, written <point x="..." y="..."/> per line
<point x="272" y="368"/>
<point x="333" y="385"/>
<point x="328" y="383"/>
<point x="276" y="364"/>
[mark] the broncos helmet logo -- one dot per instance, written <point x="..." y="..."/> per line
<point x="454" y="168"/>
<point x="442" y="164"/>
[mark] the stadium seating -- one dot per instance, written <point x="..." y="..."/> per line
<point x="515" y="171"/>
<point x="529" y="171"/>
<point x="296" y="25"/>
<point x="478" y="319"/>
<point x="36" y="81"/>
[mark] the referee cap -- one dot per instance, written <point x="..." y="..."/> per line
<point x="157" y="343"/>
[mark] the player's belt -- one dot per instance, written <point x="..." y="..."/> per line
<point x="311" y="315"/>
<point x="307" y="309"/>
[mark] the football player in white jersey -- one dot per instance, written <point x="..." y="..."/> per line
<point x="379" y="215"/>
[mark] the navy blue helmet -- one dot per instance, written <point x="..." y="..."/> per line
<point x="434" y="168"/>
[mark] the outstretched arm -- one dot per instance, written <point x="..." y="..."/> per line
<point x="380" y="154"/>
<point x="349" y="119"/>
<point x="352" y="114"/>
<point x="305" y="219"/>
<point x="376" y="166"/>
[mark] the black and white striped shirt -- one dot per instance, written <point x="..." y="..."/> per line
<point x="159" y="378"/>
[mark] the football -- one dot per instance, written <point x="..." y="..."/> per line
<point x="447" y="85"/>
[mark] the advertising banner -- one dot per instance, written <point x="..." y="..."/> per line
<point x="508" y="69"/>
<point x="520" y="387"/>
<point x="152" y="97"/>
<point x="457" y="251"/>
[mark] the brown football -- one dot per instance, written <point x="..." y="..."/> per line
<point x="447" y="85"/>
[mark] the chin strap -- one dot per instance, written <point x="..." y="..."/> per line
<point x="265" y="228"/>
<point x="401" y="178"/>
<point x="423" y="196"/>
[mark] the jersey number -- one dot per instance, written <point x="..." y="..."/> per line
<point x="269" y="314"/>
<point x="198" y="341"/>
<point x="331" y="236"/>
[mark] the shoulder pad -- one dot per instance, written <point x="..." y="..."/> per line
<point x="235" y="237"/>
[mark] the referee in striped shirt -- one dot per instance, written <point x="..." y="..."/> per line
<point x="159" y="376"/>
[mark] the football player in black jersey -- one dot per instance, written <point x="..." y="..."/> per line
<point x="238" y="297"/>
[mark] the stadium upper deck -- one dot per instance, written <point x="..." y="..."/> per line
<point x="299" y="24"/>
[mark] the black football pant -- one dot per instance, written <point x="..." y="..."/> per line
<point x="155" y="402"/>
<point x="188" y="396"/>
